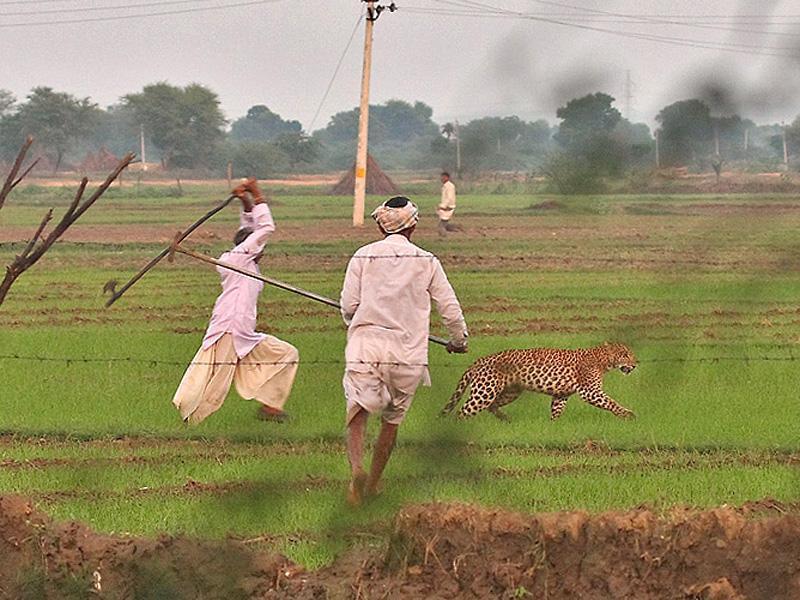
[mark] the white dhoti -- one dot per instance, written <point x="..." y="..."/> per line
<point x="385" y="390"/>
<point x="266" y="374"/>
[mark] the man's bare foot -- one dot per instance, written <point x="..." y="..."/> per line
<point x="267" y="413"/>
<point x="356" y="491"/>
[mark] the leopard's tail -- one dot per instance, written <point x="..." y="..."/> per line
<point x="463" y="383"/>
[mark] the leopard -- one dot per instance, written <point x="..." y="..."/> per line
<point x="499" y="379"/>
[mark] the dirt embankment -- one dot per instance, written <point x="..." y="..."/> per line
<point x="434" y="551"/>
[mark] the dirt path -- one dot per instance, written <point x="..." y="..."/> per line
<point x="434" y="551"/>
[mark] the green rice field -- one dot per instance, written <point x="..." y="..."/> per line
<point x="704" y="289"/>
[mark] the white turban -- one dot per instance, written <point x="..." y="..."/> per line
<point x="396" y="214"/>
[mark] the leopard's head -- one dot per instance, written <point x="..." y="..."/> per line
<point x="619" y="356"/>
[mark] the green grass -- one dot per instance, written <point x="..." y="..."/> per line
<point x="703" y="288"/>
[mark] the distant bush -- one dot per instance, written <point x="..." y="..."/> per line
<point x="569" y="175"/>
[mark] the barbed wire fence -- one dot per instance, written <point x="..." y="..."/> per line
<point x="133" y="360"/>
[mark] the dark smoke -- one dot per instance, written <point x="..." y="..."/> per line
<point x="522" y="79"/>
<point x="771" y="92"/>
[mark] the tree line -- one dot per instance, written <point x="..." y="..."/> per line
<point x="185" y="128"/>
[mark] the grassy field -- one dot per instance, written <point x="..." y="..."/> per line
<point x="703" y="288"/>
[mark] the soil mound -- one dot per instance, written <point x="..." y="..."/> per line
<point x="378" y="182"/>
<point x="547" y="205"/>
<point x="434" y="551"/>
<point x="41" y="559"/>
<point x="722" y="554"/>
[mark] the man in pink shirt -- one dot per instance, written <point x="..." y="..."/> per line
<point x="260" y="365"/>
<point x="386" y="304"/>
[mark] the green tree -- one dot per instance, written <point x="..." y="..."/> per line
<point x="255" y="159"/>
<point x="185" y="124"/>
<point x="299" y="148"/>
<point x="493" y="143"/>
<point x="635" y="142"/>
<point x="262" y="125"/>
<point x="686" y="132"/>
<point x="586" y="118"/>
<point x="731" y="130"/>
<point x="448" y="130"/>
<point x="55" y="119"/>
<point x="586" y="132"/>
<point x="7" y="101"/>
<point x="395" y="121"/>
<point x="117" y="130"/>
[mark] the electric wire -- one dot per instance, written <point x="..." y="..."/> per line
<point x="655" y="20"/>
<point x="495" y="10"/>
<point x="748" y="49"/>
<point x="336" y="72"/>
<point x="573" y="17"/>
<point x="139" y="15"/>
<point x="80" y="9"/>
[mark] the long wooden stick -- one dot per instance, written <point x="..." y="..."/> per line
<point x="115" y="294"/>
<point x="273" y="282"/>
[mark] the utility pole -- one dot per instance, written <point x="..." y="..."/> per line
<point x="628" y="95"/>
<point x="458" y="149"/>
<point x="716" y="139"/>
<point x="658" y="154"/>
<point x="360" y="191"/>
<point x="141" y="147"/>
<point x="746" y="140"/>
<point x="785" y="148"/>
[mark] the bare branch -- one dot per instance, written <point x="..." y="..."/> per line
<point x="36" y="236"/>
<point x="25" y="173"/>
<point x="121" y="166"/>
<point x="78" y="197"/>
<point x="12" y="180"/>
<point x="33" y="252"/>
<point x="66" y="220"/>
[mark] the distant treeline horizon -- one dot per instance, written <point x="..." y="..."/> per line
<point x="184" y="128"/>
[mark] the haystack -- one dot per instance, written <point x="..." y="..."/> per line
<point x="104" y="160"/>
<point x="378" y="182"/>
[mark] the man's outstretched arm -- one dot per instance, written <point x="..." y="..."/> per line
<point x="351" y="290"/>
<point x="444" y="297"/>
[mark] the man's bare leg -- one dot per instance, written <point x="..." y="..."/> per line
<point x="356" y="430"/>
<point x="380" y="456"/>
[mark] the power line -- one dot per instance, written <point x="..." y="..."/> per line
<point x="748" y="49"/>
<point x="336" y="72"/>
<point x="140" y="15"/>
<point x="14" y="2"/>
<point x="599" y="19"/>
<point x="490" y="10"/>
<point x="80" y="9"/>
<point x="654" y="20"/>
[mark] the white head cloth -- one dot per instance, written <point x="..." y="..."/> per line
<point x="396" y="219"/>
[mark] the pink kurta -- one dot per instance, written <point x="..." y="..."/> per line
<point x="386" y="304"/>
<point x="236" y="307"/>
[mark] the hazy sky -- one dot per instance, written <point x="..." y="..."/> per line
<point x="282" y="54"/>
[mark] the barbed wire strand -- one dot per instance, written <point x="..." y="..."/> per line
<point x="155" y="361"/>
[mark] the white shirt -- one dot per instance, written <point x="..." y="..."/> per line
<point x="236" y="307"/>
<point x="386" y="304"/>
<point x="448" y="203"/>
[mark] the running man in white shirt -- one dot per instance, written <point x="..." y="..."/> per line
<point x="447" y="206"/>
<point x="386" y="304"/>
<point x="260" y="365"/>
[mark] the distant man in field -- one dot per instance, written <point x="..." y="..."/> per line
<point x="261" y="366"/>
<point x="386" y="304"/>
<point x="447" y="206"/>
